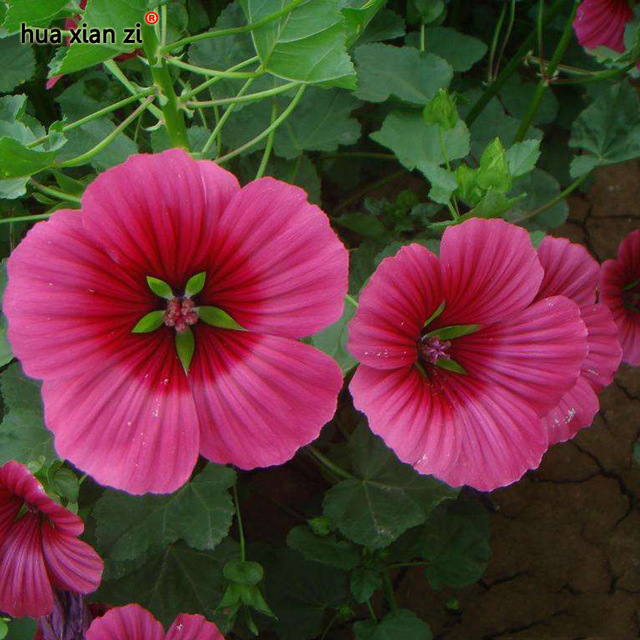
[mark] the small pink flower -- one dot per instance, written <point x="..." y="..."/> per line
<point x="570" y="271"/>
<point x="475" y="415"/>
<point x="135" y="623"/>
<point x="601" y="23"/>
<point x="620" y="290"/>
<point x="39" y="547"/>
<point x="120" y="404"/>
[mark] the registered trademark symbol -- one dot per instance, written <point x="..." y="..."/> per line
<point x="152" y="18"/>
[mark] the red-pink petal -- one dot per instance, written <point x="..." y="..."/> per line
<point x="133" y="426"/>
<point x="259" y="398"/>
<point x="537" y="353"/>
<point x="602" y="23"/>
<point x="569" y="270"/>
<point x="71" y="564"/>
<point x="69" y="307"/>
<point x="459" y="429"/>
<point x="156" y="214"/>
<point x="126" y="623"/>
<point x="402" y="294"/>
<point x="279" y="268"/>
<point x="188" y="627"/>
<point x="489" y="270"/>
<point x="605" y="353"/>
<point x="25" y="589"/>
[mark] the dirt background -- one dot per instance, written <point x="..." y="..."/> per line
<point x="565" y="539"/>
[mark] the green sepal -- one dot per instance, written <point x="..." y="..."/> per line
<point x="160" y="287"/>
<point x="243" y="572"/>
<point x="321" y="526"/>
<point x="218" y="318"/>
<point x="451" y="365"/>
<point x="441" y="110"/>
<point x="435" y="314"/>
<point x="195" y="284"/>
<point x="149" y="323"/>
<point x="24" y="509"/>
<point x="252" y="597"/>
<point x="454" y="331"/>
<point x="185" y="346"/>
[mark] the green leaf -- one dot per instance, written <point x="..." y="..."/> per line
<point x="522" y="157"/>
<point x="417" y="144"/>
<point x="218" y="318"/>
<point x="160" y="287"/>
<point x="356" y="19"/>
<point x="451" y="365"/>
<point x="333" y="339"/>
<point x="16" y="161"/>
<point x="149" y="323"/>
<point x="200" y="513"/>
<point x="443" y="182"/>
<point x="23" y="435"/>
<point x="517" y="95"/>
<point x="18" y="63"/>
<point x="195" y="284"/>
<point x="66" y="484"/>
<point x="243" y="572"/>
<point x="179" y="580"/>
<point x="609" y="128"/>
<point x="33" y="14"/>
<point x="364" y="583"/>
<point x="426" y="10"/>
<point x="365" y="224"/>
<point x="384" y="499"/>
<point x="308" y="45"/>
<point x="454" y="331"/>
<point x="398" y="624"/>
<point x="461" y="51"/>
<point x="493" y="172"/>
<point x="387" y="25"/>
<point x="6" y="355"/>
<point x="324" y="549"/>
<point x="4" y="629"/>
<point x="403" y="72"/>
<point x="455" y="544"/>
<point x="23" y="629"/>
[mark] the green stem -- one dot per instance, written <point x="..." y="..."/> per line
<point x="406" y="565"/>
<point x="494" y="41"/>
<point x="173" y="117"/>
<point x="351" y="300"/>
<point x="372" y="613"/>
<point x="554" y="201"/>
<point x="423" y="43"/>
<point x="80" y="160"/>
<point x="205" y="85"/>
<point x="234" y="30"/>
<point x="388" y="591"/>
<point x="267" y="150"/>
<point x="243" y="551"/>
<point x="54" y="193"/>
<point x="116" y="72"/>
<point x="94" y="116"/>
<point x="328" y="464"/>
<point x="224" y="118"/>
<point x="250" y="98"/>
<point x="556" y="58"/>
<point x="214" y="73"/>
<point x="600" y="75"/>
<point x="283" y="116"/>
<point x="510" y="69"/>
<point x="42" y="216"/>
<point x="507" y="35"/>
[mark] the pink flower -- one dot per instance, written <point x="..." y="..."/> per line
<point x="119" y="403"/>
<point x="135" y="623"/>
<point x="620" y="290"/>
<point x="39" y="547"/>
<point x="601" y="23"/>
<point x="570" y="271"/>
<point x="475" y="415"/>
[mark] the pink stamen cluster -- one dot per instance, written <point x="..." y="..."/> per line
<point x="180" y="314"/>
<point x="431" y="349"/>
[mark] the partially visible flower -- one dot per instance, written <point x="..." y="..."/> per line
<point x="620" y="290"/>
<point x="135" y="623"/>
<point x="165" y="320"/>
<point x="39" y="547"/>
<point x="70" y="619"/>
<point x="459" y="362"/>
<point x="601" y="23"/>
<point x="570" y="271"/>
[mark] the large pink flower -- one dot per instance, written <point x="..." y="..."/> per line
<point x="462" y="397"/>
<point x="120" y="404"/>
<point x="570" y="271"/>
<point x="620" y="290"/>
<point x="135" y="623"/>
<point x="39" y="547"/>
<point x="601" y="23"/>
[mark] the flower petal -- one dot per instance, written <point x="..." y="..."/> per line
<point x="69" y="307"/>
<point x="402" y="294"/>
<point x="259" y="398"/>
<point x="537" y="353"/>
<point x="489" y="269"/>
<point x="456" y="428"/>
<point x="126" y="623"/>
<point x="602" y="23"/>
<point x="188" y="627"/>
<point x="133" y="426"/>
<point x="72" y="564"/>
<point x="25" y="589"/>
<point x="156" y="214"/>
<point x="605" y="353"/>
<point x="279" y="267"/>
<point x="569" y="270"/>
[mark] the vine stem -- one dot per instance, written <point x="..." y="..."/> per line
<point x="42" y="216"/>
<point x="243" y="551"/>
<point x="54" y="193"/>
<point x="547" y="74"/>
<point x="116" y="72"/>
<point x="272" y="127"/>
<point x="205" y="85"/>
<point x="267" y="150"/>
<point x="213" y="73"/>
<point x="250" y="98"/>
<point x="351" y="300"/>
<point x="339" y="471"/>
<point x="388" y="591"/>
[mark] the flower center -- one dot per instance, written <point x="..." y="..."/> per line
<point x="180" y="314"/>
<point x="431" y="349"/>
<point x="631" y="296"/>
